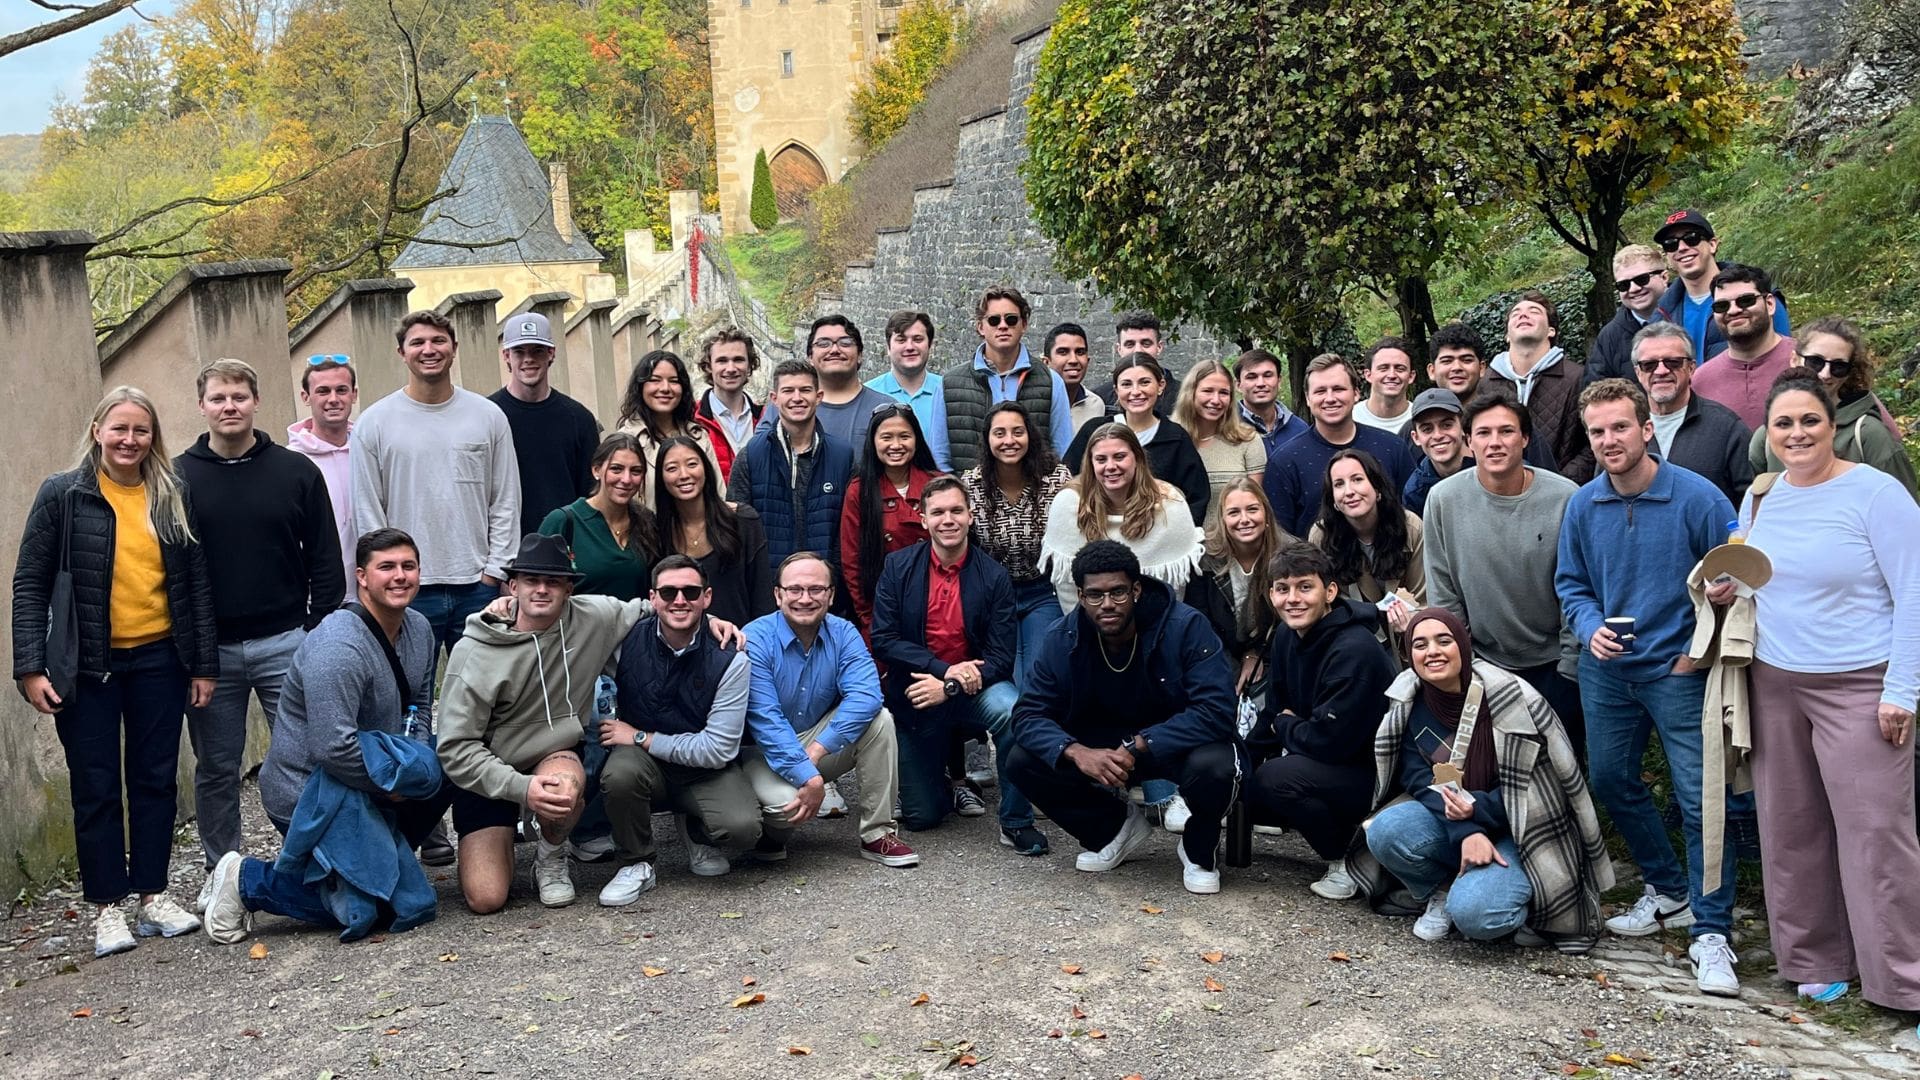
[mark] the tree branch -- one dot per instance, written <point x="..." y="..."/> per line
<point x="82" y="17"/>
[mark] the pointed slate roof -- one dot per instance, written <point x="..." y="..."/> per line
<point x="499" y="191"/>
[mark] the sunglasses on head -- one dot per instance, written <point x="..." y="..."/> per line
<point x="1635" y="281"/>
<point x="1692" y="239"/>
<point x="997" y="321"/>
<point x="1839" y="369"/>
<point x="1647" y="367"/>
<point x="322" y="359"/>
<point x="1743" y="302"/>
<point x="673" y="594"/>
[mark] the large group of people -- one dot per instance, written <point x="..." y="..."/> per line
<point x="1430" y="632"/>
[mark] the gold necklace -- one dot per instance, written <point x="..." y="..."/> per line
<point x="1131" y="650"/>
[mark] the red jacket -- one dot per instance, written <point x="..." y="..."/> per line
<point x="901" y="526"/>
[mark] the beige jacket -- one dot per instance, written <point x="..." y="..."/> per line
<point x="1723" y="642"/>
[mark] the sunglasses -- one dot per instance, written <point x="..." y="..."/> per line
<point x="1839" y="369"/>
<point x="1647" y="367"/>
<point x="1637" y="280"/>
<point x="323" y="359"/>
<point x="1743" y="302"/>
<point x="673" y="594"/>
<point x="1692" y="239"/>
<point x="997" y="321"/>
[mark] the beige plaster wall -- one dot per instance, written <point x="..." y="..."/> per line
<point x="431" y="285"/>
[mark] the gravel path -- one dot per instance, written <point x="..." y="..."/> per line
<point x="1028" y="969"/>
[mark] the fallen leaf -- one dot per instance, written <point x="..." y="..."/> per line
<point x="69" y="914"/>
<point x="1133" y="1076"/>
<point x="82" y="1014"/>
<point x="1601" y="978"/>
<point x="1213" y="985"/>
<point x="1796" y="1019"/>
<point x="1423" y="1051"/>
<point x="1366" y="1051"/>
<point x="745" y="1000"/>
<point x="800" y="1051"/>
<point x="1071" y="969"/>
<point x="448" y="958"/>
<point x="918" y="1000"/>
<point x="258" y="952"/>
<point x="1151" y="910"/>
<point x="351" y="1027"/>
<point x="391" y="1031"/>
<point x="120" y="1019"/>
<point x="730" y="915"/>
<point x="1079" y="1013"/>
<point x="1213" y="957"/>
<point x="1055" y="1033"/>
<point x="871" y="1041"/>
<point x="654" y="973"/>
<point x="1212" y="1006"/>
<point x="1341" y="958"/>
<point x="1619" y="1059"/>
<point x="1096" y="1033"/>
<point x="251" y="1033"/>
<point x="748" y="980"/>
<point x="1590" y="1033"/>
<point x="966" y="1061"/>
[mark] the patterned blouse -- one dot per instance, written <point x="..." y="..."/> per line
<point x="1011" y="533"/>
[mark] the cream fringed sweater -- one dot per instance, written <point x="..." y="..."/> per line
<point x="1170" y="552"/>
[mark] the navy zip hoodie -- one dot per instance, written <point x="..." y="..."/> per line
<point x="273" y="552"/>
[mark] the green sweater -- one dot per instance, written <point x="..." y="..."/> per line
<point x="623" y="573"/>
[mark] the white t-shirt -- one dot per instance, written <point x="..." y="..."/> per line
<point x="1845" y="593"/>
<point x="1395" y="424"/>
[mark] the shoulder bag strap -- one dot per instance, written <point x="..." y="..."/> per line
<point x="66" y="531"/>
<point x="1469" y="718"/>
<point x="393" y="658"/>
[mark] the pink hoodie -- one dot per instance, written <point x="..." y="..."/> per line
<point x="332" y="461"/>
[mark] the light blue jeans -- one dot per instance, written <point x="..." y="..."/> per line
<point x="256" y="667"/>
<point x="1486" y="903"/>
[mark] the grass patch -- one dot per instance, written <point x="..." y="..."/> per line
<point x="763" y="261"/>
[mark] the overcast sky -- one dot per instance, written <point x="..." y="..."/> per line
<point x="30" y="78"/>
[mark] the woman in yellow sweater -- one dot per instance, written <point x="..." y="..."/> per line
<point x="147" y="648"/>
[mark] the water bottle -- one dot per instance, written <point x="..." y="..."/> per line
<point x="1736" y="532"/>
<point x="605" y="706"/>
<point x="415" y="727"/>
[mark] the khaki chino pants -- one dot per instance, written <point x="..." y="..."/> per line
<point x="875" y="753"/>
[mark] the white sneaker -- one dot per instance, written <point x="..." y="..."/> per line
<point x="833" y="805"/>
<point x="201" y="901"/>
<point x="1198" y="880"/>
<point x="161" y="917"/>
<point x="1133" y="835"/>
<point x="552" y="873"/>
<point x="1713" y="965"/>
<point x="1336" y="883"/>
<point x="226" y="919"/>
<point x="704" y="860"/>
<point x="594" y="850"/>
<point x="627" y="885"/>
<point x="1652" y="913"/>
<point x="110" y="933"/>
<point x="1435" y="924"/>
<point x="1269" y="830"/>
<point x="1176" y="815"/>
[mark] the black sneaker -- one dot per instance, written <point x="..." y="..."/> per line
<point x="769" y="848"/>
<point x="1025" y="840"/>
<point x="432" y="854"/>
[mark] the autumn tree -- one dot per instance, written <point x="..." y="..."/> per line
<point x="929" y="34"/>
<point x="1634" y="88"/>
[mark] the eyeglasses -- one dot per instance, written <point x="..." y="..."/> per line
<point x="1106" y="597"/>
<point x="1647" y="367"/>
<point x="1690" y="238"/>
<point x="1637" y="280"/>
<point x="1839" y="369"/>
<point x="997" y="321"/>
<point x="820" y="344"/>
<point x="323" y="359"/>
<point x="673" y="594"/>
<point x="812" y="592"/>
<point x="1743" y="302"/>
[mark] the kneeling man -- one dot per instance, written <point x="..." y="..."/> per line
<point x="682" y="708"/>
<point x="1134" y="686"/>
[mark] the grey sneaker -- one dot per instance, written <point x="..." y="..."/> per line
<point x="226" y="919"/>
<point x="1434" y="924"/>
<point x="704" y="860"/>
<point x="1713" y="965"/>
<point x="161" y="917"/>
<point x="627" y="885"/>
<point x="110" y="933"/>
<point x="552" y="874"/>
<point x="832" y="805"/>
<point x="1652" y="913"/>
<point x="1336" y="883"/>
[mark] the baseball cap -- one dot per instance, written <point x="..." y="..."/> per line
<point x="1684" y="219"/>
<point x="527" y="328"/>
<point x="1436" y="397"/>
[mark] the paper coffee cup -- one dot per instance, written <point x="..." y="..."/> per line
<point x="1623" y="627"/>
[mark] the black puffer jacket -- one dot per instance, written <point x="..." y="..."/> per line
<point x="189" y="589"/>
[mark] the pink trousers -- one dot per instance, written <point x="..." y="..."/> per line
<point x="1837" y="838"/>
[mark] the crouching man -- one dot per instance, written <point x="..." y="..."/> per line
<point x="688" y="695"/>
<point x="341" y="731"/>
<point x="1133" y="686"/>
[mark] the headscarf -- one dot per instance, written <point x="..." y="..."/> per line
<point x="1482" y="770"/>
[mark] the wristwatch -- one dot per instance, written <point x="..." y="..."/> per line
<point x="952" y="687"/>
<point x="639" y="737"/>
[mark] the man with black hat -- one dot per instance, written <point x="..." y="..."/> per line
<point x="517" y="685"/>
<point x="1691" y="246"/>
<point x="1434" y="427"/>
<point x="554" y="436"/>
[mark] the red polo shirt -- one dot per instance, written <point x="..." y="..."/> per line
<point x="946" y="622"/>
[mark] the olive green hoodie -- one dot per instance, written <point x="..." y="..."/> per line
<point x="511" y="697"/>
<point x="1859" y="435"/>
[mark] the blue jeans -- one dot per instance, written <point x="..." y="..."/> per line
<point x="1620" y="716"/>
<point x="218" y="732"/>
<point x="1486" y="903"/>
<point x="1037" y="606"/>
<point x="926" y="796"/>
<point x="123" y="849"/>
<point x="448" y="606"/>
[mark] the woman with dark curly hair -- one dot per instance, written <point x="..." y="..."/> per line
<point x="1374" y="543"/>
<point x="659" y="405"/>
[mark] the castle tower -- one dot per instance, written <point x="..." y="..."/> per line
<point x="783" y="77"/>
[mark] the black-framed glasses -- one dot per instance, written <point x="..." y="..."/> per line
<point x="816" y="592"/>
<point x="323" y="359"/>
<point x="1839" y="369"/>
<point x="673" y="594"/>
<point x="1636" y="281"/>
<point x="1743" y="302"/>
<point x="1106" y="597"/>
<point x="1690" y="238"/>
<point x="1647" y="367"/>
<point x="997" y="321"/>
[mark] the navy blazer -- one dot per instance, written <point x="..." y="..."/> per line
<point x="900" y="618"/>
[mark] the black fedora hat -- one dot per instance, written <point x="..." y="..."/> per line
<point x="544" y="555"/>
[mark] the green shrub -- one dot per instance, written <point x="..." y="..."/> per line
<point x="764" y="210"/>
<point x="929" y="35"/>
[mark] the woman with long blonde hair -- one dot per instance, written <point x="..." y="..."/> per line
<point x="120" y="523"/>
<point x="1209" y="410"/>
